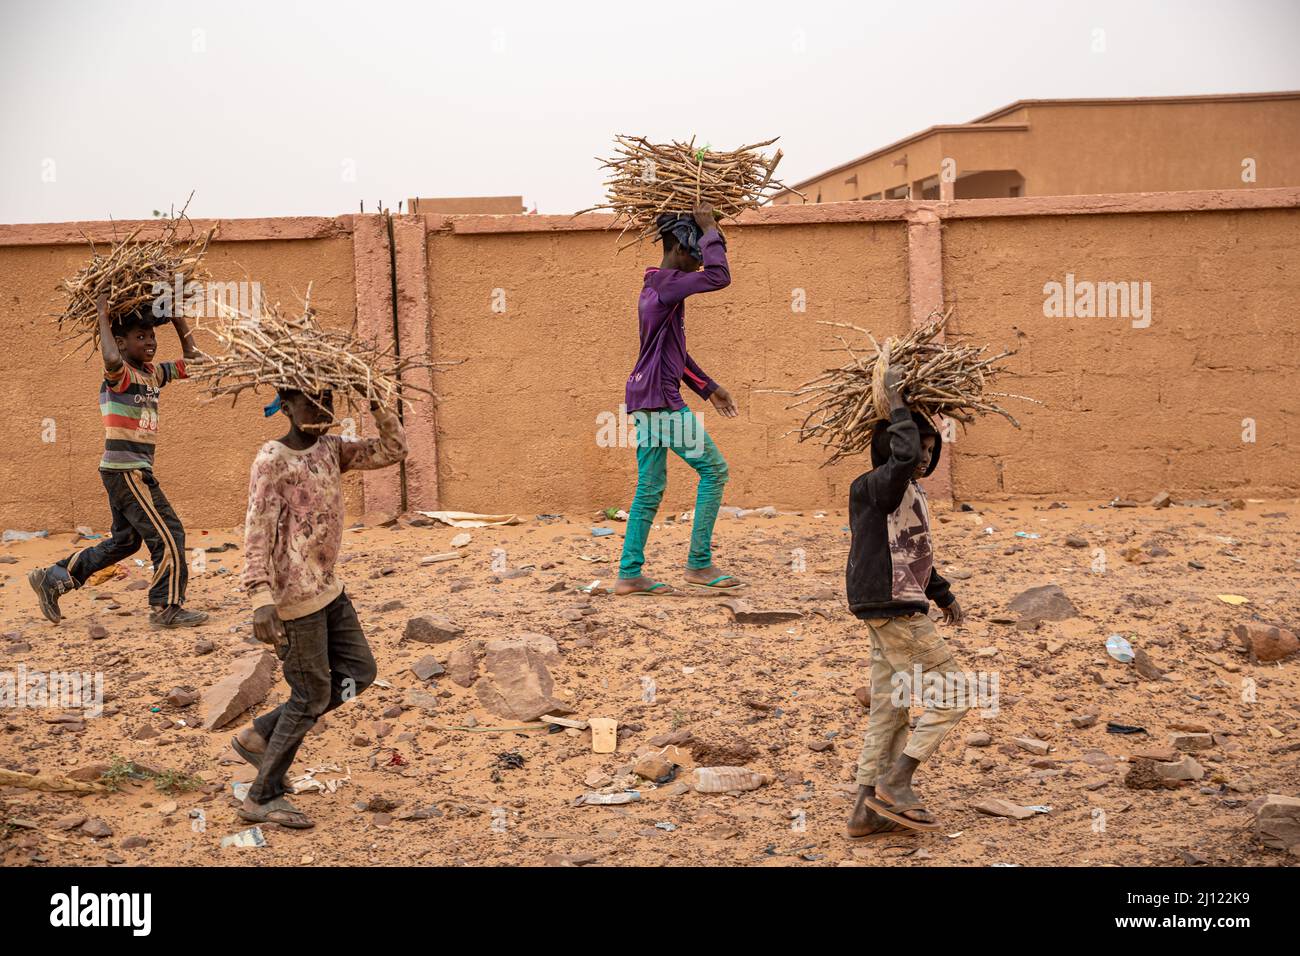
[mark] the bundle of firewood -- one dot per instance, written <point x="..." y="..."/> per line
<point x="647" y="179"/>
<point x="267" y="347"/>
<point x="130" y="272"/>
<point x="939" y="379"/>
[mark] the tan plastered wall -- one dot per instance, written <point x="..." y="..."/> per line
<point x="204" y="449"/>
<point x="517" y="423"/>
<point x="1132" y="411"/>
<point x="1126" y="411"/>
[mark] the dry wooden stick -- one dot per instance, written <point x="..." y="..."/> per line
<point x="939" y="379"/>
<point x="647" y="179"/>
<point x="130" y="273"/>
<point x="268" y="348"/>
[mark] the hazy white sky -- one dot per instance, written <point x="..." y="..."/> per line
<point x="279" y="108"/>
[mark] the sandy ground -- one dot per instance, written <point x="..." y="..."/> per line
<point x="782" y="689"/>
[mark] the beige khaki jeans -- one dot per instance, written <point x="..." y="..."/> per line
<point x="899" y="645"/>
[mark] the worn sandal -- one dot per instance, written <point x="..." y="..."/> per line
<point x="280" y="811"/>
<point x="895" y="812"/>
<point x="653" y="591"/>
<point x="714" y="585"/>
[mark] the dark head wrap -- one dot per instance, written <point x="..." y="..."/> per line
<point x="682" y="227"/>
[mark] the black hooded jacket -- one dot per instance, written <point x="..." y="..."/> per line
<point x="891" y="564"/>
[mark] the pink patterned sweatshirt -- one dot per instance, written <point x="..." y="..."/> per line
<point x="294" y="528"/>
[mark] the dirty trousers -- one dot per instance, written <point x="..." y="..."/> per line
<point x="898" y="645"/>
<point x="141" y="515"/>
<point x="327" y="661"/>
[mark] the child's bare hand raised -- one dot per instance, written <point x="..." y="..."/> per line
<point x="894" y="386"/>
<point x="101" y="305"/>
<point x="704" y="217"/>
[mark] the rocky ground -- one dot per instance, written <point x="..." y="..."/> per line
<point x="426" y="779"/>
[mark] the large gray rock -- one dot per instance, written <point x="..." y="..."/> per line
<point x="1046" y="603"/>
<point x="247" y="685"/>
<point x="1277" y="821"/>
<point x="520" y="686"/>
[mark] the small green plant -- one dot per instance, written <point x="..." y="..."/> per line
<point x="174" y="781"/>
<point x="168" y="781"/>
<point x="119" y="771"/>
<point x="678" y="719"/>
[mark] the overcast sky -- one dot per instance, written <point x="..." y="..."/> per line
<point x="279" y="108"/>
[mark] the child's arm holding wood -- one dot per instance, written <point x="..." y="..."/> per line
<point x="107" y="345"/>
<point x="186" y="335"/>
<point x="388" y="449"/>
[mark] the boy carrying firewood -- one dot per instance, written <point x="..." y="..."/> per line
<point x="128" y="402"/>
<point x="663" y="421"/>
<point x="293" y="532"/>
<point x="891" y="580"/>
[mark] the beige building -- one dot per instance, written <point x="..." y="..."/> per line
<point x="1083" y="146"/>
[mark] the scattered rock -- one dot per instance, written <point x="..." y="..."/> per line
<point x="1182" y="770"/>
<point x="653" y="766"/>
<point x="744" y="613"/>
<point x="462" y="665"/>
<point x="1082" y="721"/>
<point x="432" y="630"/>
<point x="96" y="828"/>
<point x="1277" y="821"/>
<point x="1162" y="500"/>
<point x="1189" y="743"/>
<point x="1046" y="603"/>
<point x="180" y="697"/>
<point x="1265" y="642"/>
<point x="733" y="753"/>
<point x="427" y="667"/>
<point x="1074" y="541"/>
<point x="863" y="694"/>
<point x="978" y="739"/>
<point x="1034" y="746"/>
<point x="247" y="684"/>
<point x="203" y="646"/>
<point x="1145" y="667"/>
<point x="997" y="807"/>
<point x="520" y="686"/>
<point x="97" y="632"/>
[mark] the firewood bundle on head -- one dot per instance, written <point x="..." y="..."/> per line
<point x="131" y="273"/>
<point x="647" y="179"/>
<point x="268" y="347"/>
<point x="939" y="379"/>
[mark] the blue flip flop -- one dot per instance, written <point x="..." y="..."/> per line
<point x="652" y="591"/>
<point x="713" y="585"/>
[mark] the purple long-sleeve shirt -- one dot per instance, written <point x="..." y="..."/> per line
<point x="664" y="364"/>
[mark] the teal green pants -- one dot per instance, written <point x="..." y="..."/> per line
<point x="682" y="432"/>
